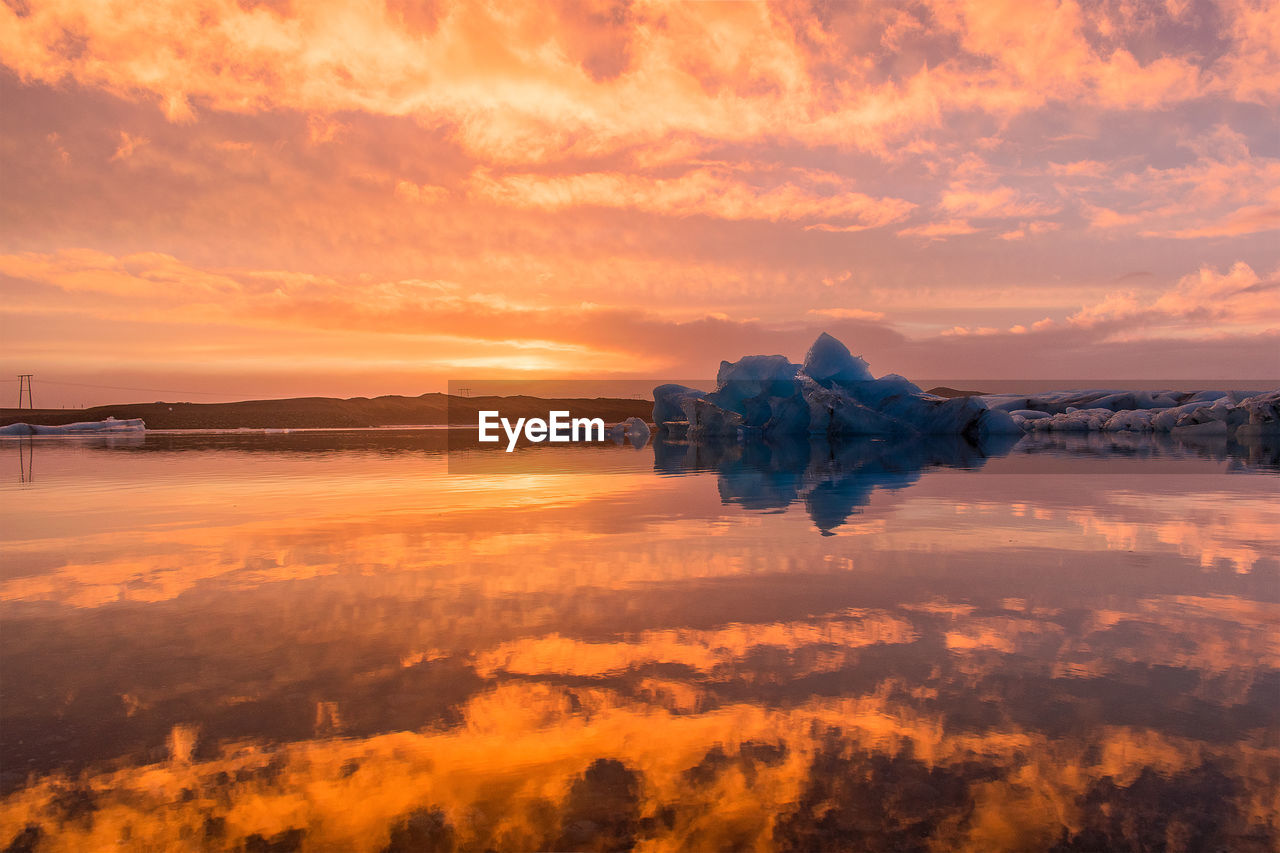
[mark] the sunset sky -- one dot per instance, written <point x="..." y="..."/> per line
<point x="239" y="199"/>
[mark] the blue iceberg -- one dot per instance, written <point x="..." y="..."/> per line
<point x="831" y="394"/>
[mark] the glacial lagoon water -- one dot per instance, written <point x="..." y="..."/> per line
<point x="357" y="641"/>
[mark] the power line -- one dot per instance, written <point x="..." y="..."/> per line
<point x="127" y="388"/>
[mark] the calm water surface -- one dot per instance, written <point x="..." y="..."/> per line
<point x="355" y="641"/>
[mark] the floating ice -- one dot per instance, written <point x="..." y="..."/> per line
<point x="829" y="361"/>
<point x="832" y="393"/>
<point x="668" y="399"/>
<point x="633" y="430"/>
<point x="637" y="431"/>
<point x="748" y="382"/>
<point x="1239" y="413"/>
<point x="1263" y="412"/>
<point x="110" y="425"/>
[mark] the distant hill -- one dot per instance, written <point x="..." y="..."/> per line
<point x="944" y="391"/>
<point x="313" y="412"/>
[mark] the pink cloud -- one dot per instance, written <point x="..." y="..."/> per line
<point x="947" y="228"/>
<point x="849" y="314"/>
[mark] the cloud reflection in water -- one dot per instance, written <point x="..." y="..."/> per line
<point x="354" y="649"/>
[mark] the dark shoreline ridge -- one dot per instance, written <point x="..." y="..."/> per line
<point x="334" y="413"/>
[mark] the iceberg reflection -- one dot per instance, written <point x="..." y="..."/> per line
<point x="834" y="478"/>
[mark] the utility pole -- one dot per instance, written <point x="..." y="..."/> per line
<point x="24" y="384"/>
<point x="26" y="464"/>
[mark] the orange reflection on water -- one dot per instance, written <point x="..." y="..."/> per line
<point x="179" y="522"/>
<point x="530" y="762"/>
<point x="360" y="651"/>
<point x="703" y="651"/>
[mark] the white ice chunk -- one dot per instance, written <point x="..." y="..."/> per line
<point x="1164" y="420"/>
<point x="1263" y="411"/>
<point x="1073" y="420"/>
<point x="637" y="431"/>
<point x="110" y="425"/>
<point x="1133" y="420"/>
<point x="1202" y="428"/>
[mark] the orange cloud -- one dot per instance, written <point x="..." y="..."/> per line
<point x="1080" y="168"/>
<point x="1250" y="219"/>
<point x="305" y="163"/>
<point x="1225" y="191"/>
<point x="1204" y="304"/>
<point x="999" y="202"/>
<point x="127" y="146"/>
<point x="259" y="321"/>
<point x="525" y="86"/>
<point x="707" y="192"/>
